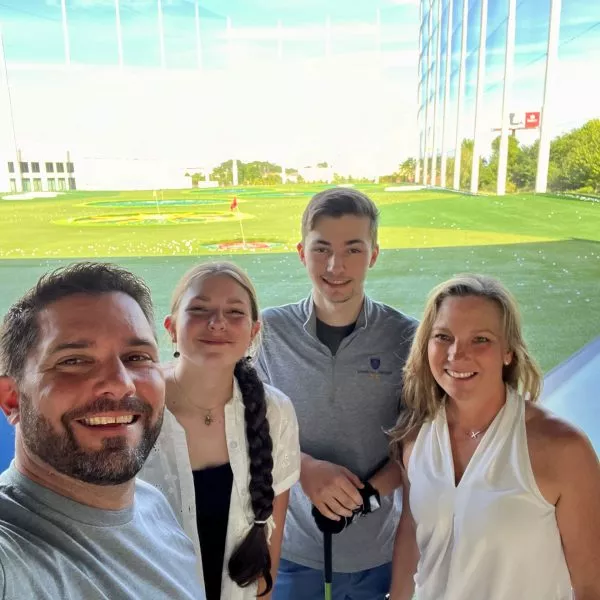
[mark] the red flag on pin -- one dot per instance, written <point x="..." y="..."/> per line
<point x="234" y="203"/>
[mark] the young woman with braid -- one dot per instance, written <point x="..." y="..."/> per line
<point x="228" y="451"/>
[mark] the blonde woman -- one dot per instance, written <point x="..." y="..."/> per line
<point x="228" y="451"/>
<point x="501" y="498"/>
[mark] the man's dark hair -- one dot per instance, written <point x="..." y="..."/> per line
<point x="339" y="202"/>
<point x="20" y="328"/>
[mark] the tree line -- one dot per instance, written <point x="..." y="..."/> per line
<point x="574" y="164"/>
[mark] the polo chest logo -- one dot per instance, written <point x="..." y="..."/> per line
<point x="374" y="370"/>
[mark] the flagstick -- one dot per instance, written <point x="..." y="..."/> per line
<point x="155" y="194"/>
<point x="241" y="226"/>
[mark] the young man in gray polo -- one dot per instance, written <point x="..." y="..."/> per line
<point x="339" y="356"/>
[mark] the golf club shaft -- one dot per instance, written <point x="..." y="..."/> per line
<point x="327" y="555"/>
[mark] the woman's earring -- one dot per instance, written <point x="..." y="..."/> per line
<point x="176" y="353"/>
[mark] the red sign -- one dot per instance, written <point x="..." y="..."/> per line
<point x="532" y="120"/>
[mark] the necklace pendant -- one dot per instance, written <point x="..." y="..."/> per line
<point x="474" y="434"/>
<point x="208" y="419"/>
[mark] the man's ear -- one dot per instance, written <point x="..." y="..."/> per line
<point x="374" y="255"/>
<point x="300" y="249"/>
<point x="9" y="399"/>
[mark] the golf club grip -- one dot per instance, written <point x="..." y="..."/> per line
<point x="327" y="556"/>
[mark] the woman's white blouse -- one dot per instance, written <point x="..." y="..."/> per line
<point x="168" y="468"/>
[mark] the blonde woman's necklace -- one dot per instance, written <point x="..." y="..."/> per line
<point x="208" y="418"/>
<point x="475" y="434"/>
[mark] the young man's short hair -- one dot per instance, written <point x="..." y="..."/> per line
<point x="339" y="202"/>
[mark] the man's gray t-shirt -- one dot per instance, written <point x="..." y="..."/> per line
<point x="53" y="548"/>
<point x="344" y="404"/>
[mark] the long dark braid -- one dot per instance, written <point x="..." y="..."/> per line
<point x="251" y="560"/>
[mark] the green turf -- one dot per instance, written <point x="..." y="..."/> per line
<point x="58" y="227"/>
<point x="545" y="248"/>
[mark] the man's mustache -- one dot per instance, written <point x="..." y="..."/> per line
<point x="129" y="404"/>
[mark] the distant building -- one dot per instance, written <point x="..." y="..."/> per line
<point x="38" y="174"/>
<point x="44" y="171"/>
<point x="315" y="174"/>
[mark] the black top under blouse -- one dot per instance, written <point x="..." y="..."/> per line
<point x="212" y="488"/>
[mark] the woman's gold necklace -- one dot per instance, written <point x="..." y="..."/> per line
<point x="208" y="417"/>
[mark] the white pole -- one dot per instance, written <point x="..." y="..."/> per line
<point x="119" y="34"/>
<point x="506" y="97"/>
<point x="65" y="28"/>
<point x="436" y="88"/>
<point x="198" y="38"/>
<point x="419" y="86"/>
<point x="541" y="180"/>
<point x="234" y="172"/>
<point x="161" y="36"/>
<point x="11" y="117"/>
<point x="443" y="150"/>
<point x="418" y="161"/>
<point x="427" y="125"/>
<point x="280" y="60"/>
<point x="461" y="93"/>
<point x="156" y="204"/>
<point x="479" y="99"/>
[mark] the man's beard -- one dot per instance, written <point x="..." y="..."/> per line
<point x="113" y="464"/>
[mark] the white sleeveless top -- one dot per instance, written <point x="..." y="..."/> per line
<point x="493" y="536"/>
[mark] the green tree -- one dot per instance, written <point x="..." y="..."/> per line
<point x="450" y="171"/>
<point x="524" y="169"/>
<point x="575" y="159"/>
<point x="224" y="173"/>
<point x="466" y="162"/>
<point x="487" y="175"/>
<point x="489" y="170"/>
<point x="582" y="163"/>
<point x="253" y="173"/>
<point x="406" y="171"/>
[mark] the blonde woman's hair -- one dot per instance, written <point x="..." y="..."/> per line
<point x="212" y="269"/>
<point x="422" y="396"/>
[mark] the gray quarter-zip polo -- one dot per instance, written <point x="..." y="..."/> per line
<point x="343" y="404"/>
